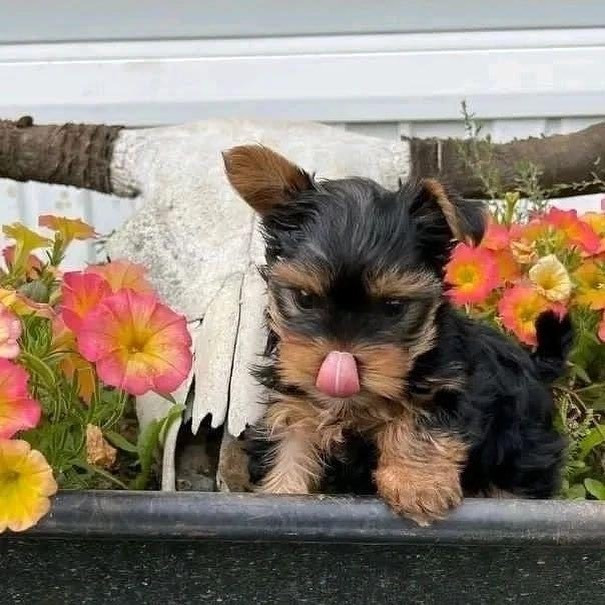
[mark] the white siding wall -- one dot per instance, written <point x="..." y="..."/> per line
<point x="402" y="70"/>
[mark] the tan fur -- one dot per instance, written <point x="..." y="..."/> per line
<point x="437" y="190"/>
<point x="418" y="472"/>
<point x="290" y="275"/>
<point x="262" y="177"/>
<point x="393" y="284"/>
<point x="382" y="368"/>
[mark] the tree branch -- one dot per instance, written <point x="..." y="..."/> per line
<point x="66" y="154"/>
<point x="563" y="160"/>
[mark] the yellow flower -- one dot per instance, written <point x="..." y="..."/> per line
<point x="26" y="484"/>
<point x="590" y="278"/>
<point x="67" y="228"/>
<point x="21" y="305"/>
<point x="26" y="240"/>
<point x="551" y="278"/>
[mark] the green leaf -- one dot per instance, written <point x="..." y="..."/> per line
<point x="99" y="471"/>
<point x="576" y="492"/>
<point x="595" y="488"/>
<point x="148" y="441"/>
<point x="581" y="372"/>
<point x="120" y="442"/>
<point x="594" y="438"/>
<point x="168" y="397"/>
<point x="173" y="414"/>
<point x="146" y="445"/>
<point x="38" y="367"/>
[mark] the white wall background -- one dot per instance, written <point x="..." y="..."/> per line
<point x="386" y="69"/>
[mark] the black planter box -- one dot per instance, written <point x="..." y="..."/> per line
<point x="172" y="548"/>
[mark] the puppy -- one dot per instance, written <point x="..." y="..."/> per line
<point x="377" y="383"/>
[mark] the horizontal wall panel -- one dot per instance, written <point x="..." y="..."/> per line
<point x="420" y="77"/>
<point x="60" y="20"/>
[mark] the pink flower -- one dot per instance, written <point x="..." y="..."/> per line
<point x="80" y="293"/>
<point x="17" y="410"/>
<point x="10" y="332"/>
<point x="137" y="343"/>
<point x="123" y="274"/>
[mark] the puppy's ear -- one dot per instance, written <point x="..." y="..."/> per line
<point x="442" y="219"/>
<point x="263" y="178"/>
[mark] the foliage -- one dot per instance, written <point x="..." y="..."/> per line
<point x="74" y="349"/>
<point x="545" y="259"/>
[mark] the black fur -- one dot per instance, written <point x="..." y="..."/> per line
<point x="350" y="227"/>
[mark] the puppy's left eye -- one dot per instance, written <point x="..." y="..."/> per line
<point x="305" y="300"/>
<point x="394" y="307"/>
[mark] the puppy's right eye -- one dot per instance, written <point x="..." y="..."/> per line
<point x="394" y="307"/>
<point x="304" y="299"/>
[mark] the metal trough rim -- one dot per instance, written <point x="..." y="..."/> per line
<point x="325" y="519"/>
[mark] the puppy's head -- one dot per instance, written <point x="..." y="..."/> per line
<point x="353" y="271"/>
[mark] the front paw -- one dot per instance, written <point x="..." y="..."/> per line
<point x="423" y="499"/>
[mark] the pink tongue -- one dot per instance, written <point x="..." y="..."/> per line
<point x="338" y="375"/>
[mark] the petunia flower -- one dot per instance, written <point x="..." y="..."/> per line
<point x="590" y="278"/>
<point x="26" y="240"/>
<point x="33" y="265"/>
<point x="81" y="292"/>
<point x="137" y="343"/>
<point x="72" y="364"/>
<point x="597" y="221"/>
<point x="551" y="278"/>
<point x="21" y="305"/>
<point x="123" y="274"/>
<point x="472" y="273"/>
<point x="67" y="228"/>
<point x="519" y="309"/>
<point x="576" y="232"/>
<point x="496" y="237"/>
<point x="17" y="410"/>
<point x="10" y="332"/>
<point x="26" y="484"/>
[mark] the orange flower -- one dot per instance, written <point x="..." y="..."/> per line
<point x="72" y="364"/>
<point x="576" y="232"/>
<point x="519" y="309"/>
<point x="590" y="278"/>
<point x="123" y="274"/>
<point x="80" y="293"/>
<point x="496" y="237"/>
<point x="33" y="265"/>
<point x="137" y="343"/>
<point x="68" y="229"/>
<point x="17" y="410"/>
<point x="472" y="274"/>
<point x="597" y="221"/>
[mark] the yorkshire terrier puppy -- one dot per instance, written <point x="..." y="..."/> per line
<point x="377" y="383"/>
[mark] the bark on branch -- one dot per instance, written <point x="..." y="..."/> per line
<point x="66" y="154"/>
<point x="80" y="155"/>
<point x="563" y="160"/>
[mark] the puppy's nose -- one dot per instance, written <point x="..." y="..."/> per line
<point x="338" y="375"/>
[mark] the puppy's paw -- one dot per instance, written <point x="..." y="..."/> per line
<point x="424" y="501"/>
